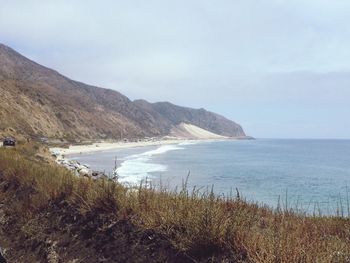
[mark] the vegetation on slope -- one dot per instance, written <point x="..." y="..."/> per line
<point x="49" y="215"/>
<point x="42" y="102"/>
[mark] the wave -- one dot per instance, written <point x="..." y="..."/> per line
<point x="138" y="167"/>
<point x="193" y="142"/>
<point x="189" y="143"/>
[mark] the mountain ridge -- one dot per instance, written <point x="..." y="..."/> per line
<point x="38" y="101"/>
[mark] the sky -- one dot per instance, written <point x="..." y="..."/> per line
<point x="279" y="68"/>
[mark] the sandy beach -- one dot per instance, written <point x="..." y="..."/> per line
<point x="105" y="146"/>
<point x="81" y="169"/>
<point x="62" y="154"/>
<point x="184" y="133"/>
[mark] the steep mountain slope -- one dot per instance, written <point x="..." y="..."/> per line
<point x="202" y="118"/>
<point x="35" y="100"/>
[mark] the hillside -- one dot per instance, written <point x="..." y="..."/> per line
<point x="38" y="101"/>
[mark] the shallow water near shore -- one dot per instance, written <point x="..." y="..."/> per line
<point x="310" y="175"/>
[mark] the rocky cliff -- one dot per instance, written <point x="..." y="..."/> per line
<point x="38" y="101"/>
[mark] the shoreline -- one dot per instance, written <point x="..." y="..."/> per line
<point x="62" y="155"/>
<point x="106" y="146"/>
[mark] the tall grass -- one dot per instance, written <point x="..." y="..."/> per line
<point x="199" y="223"/>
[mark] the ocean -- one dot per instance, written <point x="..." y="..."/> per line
<point x="311" y="176"/>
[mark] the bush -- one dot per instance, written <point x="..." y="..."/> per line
<point x="200" y="224"/>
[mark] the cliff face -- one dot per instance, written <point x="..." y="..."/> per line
<point x="35" y="100"/>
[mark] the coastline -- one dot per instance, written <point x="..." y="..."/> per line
<point x="61" y="155"/>
<point x="106" y="146"/>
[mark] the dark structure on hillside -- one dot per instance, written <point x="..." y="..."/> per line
<point x="9" y="141"/>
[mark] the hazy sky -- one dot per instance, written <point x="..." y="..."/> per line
<point x="279" y="68"/>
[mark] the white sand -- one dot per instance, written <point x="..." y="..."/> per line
<point x="189" y="131"/>
<point x="200" y="133"/>
<point x="105" y="146"/>
<point x="184" y="133"/>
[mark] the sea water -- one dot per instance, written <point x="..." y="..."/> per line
<point x="308" y="175"/>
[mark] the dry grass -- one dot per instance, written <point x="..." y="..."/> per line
<point x="202" y="225"/>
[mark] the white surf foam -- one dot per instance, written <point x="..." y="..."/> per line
<point x="189" y="143"/>
<point x="138" y="167"/>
